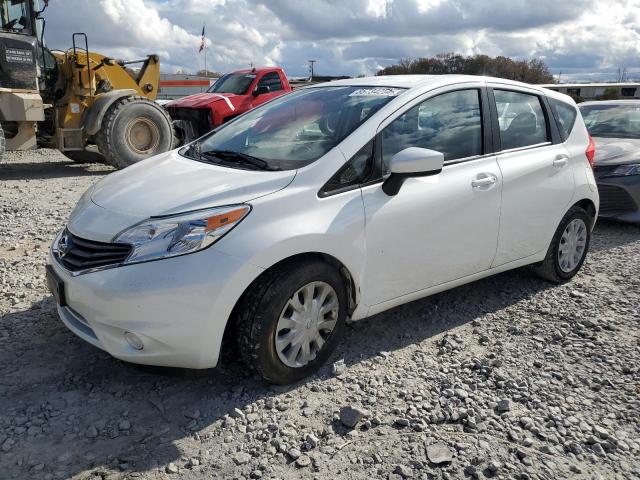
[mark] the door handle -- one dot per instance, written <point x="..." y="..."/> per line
<point x="561" y="161"/>
<point x="484" y="181"/>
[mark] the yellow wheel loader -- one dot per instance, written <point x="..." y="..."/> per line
<point x="87" y="105"/>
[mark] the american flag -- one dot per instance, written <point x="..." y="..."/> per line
<point x="202" y="41"/>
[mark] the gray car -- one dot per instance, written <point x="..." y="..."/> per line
<point x="615" y="128"/>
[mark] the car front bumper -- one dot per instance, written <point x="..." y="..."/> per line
<point x="620" y="198"/>
<point x="178" y="307"/>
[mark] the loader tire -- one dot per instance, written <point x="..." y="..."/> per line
<point x="134" y="128"/>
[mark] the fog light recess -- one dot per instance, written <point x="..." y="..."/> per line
<point x="133" y="340"/>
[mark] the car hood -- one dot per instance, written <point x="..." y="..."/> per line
<point x="201" y="100"/>
<point x="616" y="151"/>
<point x="170" y="183"/>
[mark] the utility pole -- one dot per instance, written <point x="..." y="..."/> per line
<point x="311" y="62"/>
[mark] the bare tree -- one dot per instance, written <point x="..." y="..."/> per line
<point x="622" y="75"/>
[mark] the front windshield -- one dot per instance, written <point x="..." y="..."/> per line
<point x="295" y="129"/>
<point x="237" y="83"/>
<point x="613" y="121"/>
<point x="15" y="16"/>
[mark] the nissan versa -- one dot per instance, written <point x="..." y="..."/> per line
<point x="334" y="202"/>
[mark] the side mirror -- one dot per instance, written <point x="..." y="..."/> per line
<point x="261" y="90"/>
<point x="412" y="162"/>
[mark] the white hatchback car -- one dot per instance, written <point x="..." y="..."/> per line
<point x="334" y="202"/>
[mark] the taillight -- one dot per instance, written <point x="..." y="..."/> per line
<point x="590" y="152"/>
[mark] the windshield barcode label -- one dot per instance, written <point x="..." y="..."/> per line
<point x="376" y="92"/>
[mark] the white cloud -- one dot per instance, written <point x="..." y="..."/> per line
<point x="355" y="36"/>
<point x="426" y="5"/>
<point x="377" y="8"/>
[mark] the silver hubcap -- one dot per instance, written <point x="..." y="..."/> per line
<point x="306" y="321"/>
<point x="572" y="245"/>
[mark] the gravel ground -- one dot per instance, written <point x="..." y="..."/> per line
<point x="508" y="377"/>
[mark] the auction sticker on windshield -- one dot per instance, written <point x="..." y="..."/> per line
<point x="376" y="92"/>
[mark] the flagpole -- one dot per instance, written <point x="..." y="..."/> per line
<point x="205" y="53"/>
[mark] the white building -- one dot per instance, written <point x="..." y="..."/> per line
<point x="593" y="91"/>
<point x="175" y="85"/>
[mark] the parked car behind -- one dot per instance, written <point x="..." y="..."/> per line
<point x="615" y="128"/>
<point x="335" y="202"/>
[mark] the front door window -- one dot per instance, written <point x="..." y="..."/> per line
<point x="450" y="123"/>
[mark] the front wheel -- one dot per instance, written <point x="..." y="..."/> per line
<point x="291" y="321"/>
<point x="568" y="248"/>
<point x="134" y="128"/>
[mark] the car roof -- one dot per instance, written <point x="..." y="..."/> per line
<point x="428" y="82"/>
<point x="415" y="81"/>
<point x="610" y="102"/>
<point x="256" y="70"/>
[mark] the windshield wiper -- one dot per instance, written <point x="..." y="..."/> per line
<point x="239" y="157"/>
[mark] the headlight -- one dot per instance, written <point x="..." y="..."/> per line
<point x="624" y="170"/>
<point x="170" y="236"/>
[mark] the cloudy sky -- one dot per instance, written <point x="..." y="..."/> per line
<point x="583" y="39"/>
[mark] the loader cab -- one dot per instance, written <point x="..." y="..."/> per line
<point x="17" y="16"/>
<point x="18" y="45"/>
<point x="22" y="46"/>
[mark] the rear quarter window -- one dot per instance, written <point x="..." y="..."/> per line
<point x="565" y="115"/>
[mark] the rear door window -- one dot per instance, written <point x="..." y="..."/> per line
<point x="565" y="115"/>
<point x="521" y="119"/>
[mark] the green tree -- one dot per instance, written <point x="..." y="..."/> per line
<point x="529" y="71"/>
<point x="609" y="94"/>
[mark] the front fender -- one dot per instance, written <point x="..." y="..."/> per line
<point x="298" y="223"/>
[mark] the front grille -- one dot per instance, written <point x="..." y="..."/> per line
<point x="190" y="123"/>
<point x="615" y="199"/>
<point x="77" y="253"/>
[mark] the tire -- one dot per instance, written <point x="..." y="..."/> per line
<point x="134" y="128"/>
<point x="84" y="156"/>
<point x="552" y="268"/>
<point x="268" y="299"/>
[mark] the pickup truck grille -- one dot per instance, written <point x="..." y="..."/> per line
<point x="76" y="253"/>
<point x="190" y="123"/>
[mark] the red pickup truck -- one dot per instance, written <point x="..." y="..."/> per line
<point x="231" y="95"/>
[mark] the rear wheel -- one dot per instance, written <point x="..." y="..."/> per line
<point x="568" y="248"/>
<point x="291" y="321"/>
<point x="134" y="128"/>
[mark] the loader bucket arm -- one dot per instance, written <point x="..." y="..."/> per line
<point x="148" y="79"/>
